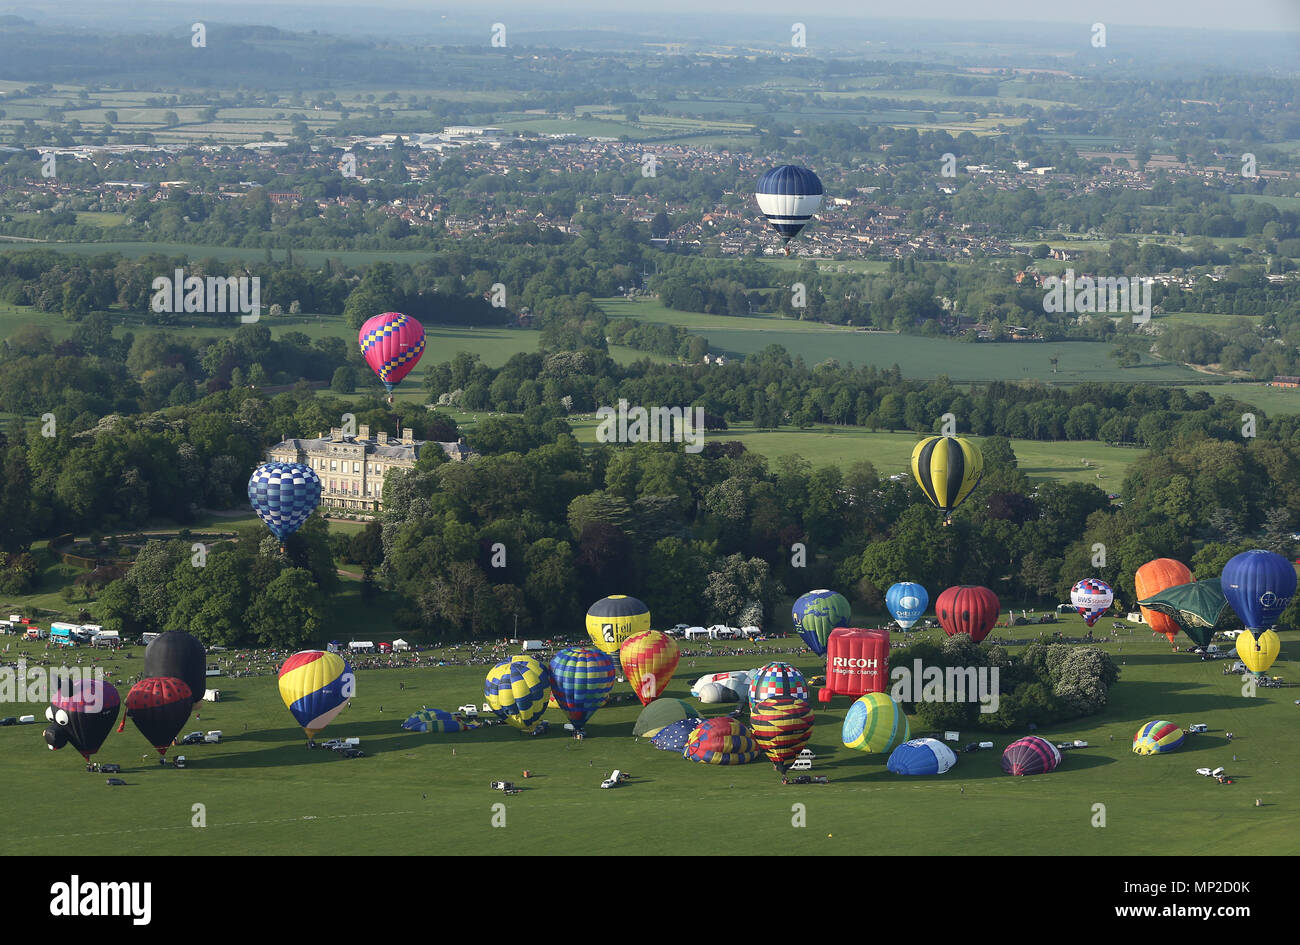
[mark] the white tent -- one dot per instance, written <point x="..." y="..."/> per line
<point x="401" y="645"/>
<point x="362" y="647"/>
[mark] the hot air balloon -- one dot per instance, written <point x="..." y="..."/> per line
<point x="782" y="726"/>
<point x="581" y="678"/>
<point x="788" y="196"/>
<point x="906" y="601"/>
<point x="392" y="344"/>
<point x="181" y="656"/>
<point x="1258" y="650"/>
<point x="611" y="620"/>
<point x="649" y="659"/>
<point x="1152" y="578"/>
<point x="661" y="713"/>
<point x="1030" y="755"/>
<point x="436" y="720"/>
<point x="159" y="707"/>
<point x="947" y="468"/>
<point x="967" y="609"/>
<point x="1091" y="598"/>
<point x="777" y="680"/>
<point x="711" y="693"/>
<point x="316" y="686"/>
<point x="921" y="756"/>
<point x="817" y="613"/>
<point x="85" y="715"/>
<point x="675" y="735"/>
<point x="1156" y="738"/>
<point x="857" y="662"/>
<point x="56" y="736"/>
<point x="876" y="724"/>
<point x="284" y="495"/>
<point x="722" y="741"/>
<point x="1200" y="608"/>
<point x="1259" y="585"/>
<point x="517" y="689"/>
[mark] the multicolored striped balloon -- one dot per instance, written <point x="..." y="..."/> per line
<point x="782" y="726"/>
<point x="649" y="659"/>
<point x="777" y="680"/>
<point x="1156" y="738"/>
<point x="315" y="686"/>
<point x="876" y="724"/>
<point x="581" y="678"/>
<point x="1030" y="755"/>
<point x="438" y="720"/>
<point x="517" y="689"/>
<point x="392" y="344"/>
<point x="284" y="495"/>
<point x="722" y="741"/>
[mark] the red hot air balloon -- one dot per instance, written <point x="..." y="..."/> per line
<point x="391" y="344"/>
<point x="857" y="662"/>
<point x="159" y="707"/>
<point x="968" y="609"/>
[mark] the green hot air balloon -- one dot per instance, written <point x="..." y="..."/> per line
<point x="1200" y="608"/>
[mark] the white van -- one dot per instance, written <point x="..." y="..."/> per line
<point x="212" y="738"/>
<point x="531" y="645"/>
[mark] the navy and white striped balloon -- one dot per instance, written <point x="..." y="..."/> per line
<point x="283" y="495"/>
<point x="789" y="196"/>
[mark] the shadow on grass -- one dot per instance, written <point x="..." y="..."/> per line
<point x="1184" y="700"/>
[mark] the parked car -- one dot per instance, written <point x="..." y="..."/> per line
<point x="193" y="738"/>
<point x="212" y="738"/>
<point x="10" y="720"/>
<point x="469" y="709"/>
<point x="110" y="769"/>
<point x="353" y="753"/>
<point x="115" y="781"/>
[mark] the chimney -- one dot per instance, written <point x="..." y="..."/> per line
<point x="365" y="432"/>
<point x="408" y="436"/>
<point x="381" y="437"/>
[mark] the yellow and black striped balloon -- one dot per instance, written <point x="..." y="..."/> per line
<point x="947" y="468"/>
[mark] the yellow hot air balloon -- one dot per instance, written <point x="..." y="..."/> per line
<point x="649" y="659"/>
<point x="611" y="620"/>
<point x="947" y="468"/>
<point x="1258" y="652"/>
<point x="315" y="686"/>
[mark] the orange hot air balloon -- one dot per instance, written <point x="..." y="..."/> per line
<point x="1154" y="577"/>
<point x="649" y="659"/>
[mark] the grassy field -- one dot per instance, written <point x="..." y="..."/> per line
<point x="263" y="792"/>
<point x="1274" y="401"/>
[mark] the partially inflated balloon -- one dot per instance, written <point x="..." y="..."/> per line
<point x="1199" y="608"/>
<point x="967" y="609"/>
<point x="782" y="726"/>
<point x="613" y="619"/>
<point x="436" y="720"/>
<point x="921" y="756"/>
<point x="1030" y="755"/>
<point x="722" y="741"/>
<point x="1259" y="585"/>
<point x="649" y="659"/>
<point x="817" y="613"/>
<point x="159" y="707"/>
<point x="947" y="468"/>
<point x="906" y="601"/>
<point x="181" y="656"/>
<point x="316" y="686"/>
<point x="517" y="690"/>
<point x="1153" y="577"/>
<point x="1156" y="738"/>
<point x="1091" y="598"/>
<point x="392" y="344"/>
<point x="875" y="724"/>
<point x="86" y="714"/>
<point x="581" y="678"/>
<point x="1258" y="650"/>
<point x="284" y="495"/>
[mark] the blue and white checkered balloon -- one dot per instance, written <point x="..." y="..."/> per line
<point x="284" y="495"/>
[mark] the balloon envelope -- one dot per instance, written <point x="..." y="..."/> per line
<point x="581" y="678"/>
<point x="660" y="714"/>
<point x="437" y="720"/>
<point x="947" y="468"/>
<point x="86" y="714"/>
<point x="722" y="741"/>
<point x="1030" y="755"/>
<point x="392" y="344"/>
<point x="316" y="686"/>
<point x="788" y="196"/>
<point x="967" y="609"/>
<point x="1091" y="598"/>
<point x="181" y="656"/>
<point x="1199" y="608"/>
<point x="1259" y="585"/>
<point x="1258" y="650"/>
<point x="906" y="601"/>
<point x="921" y="756"/>
<point x="1153" y="577"/>
<point x="777" y="680"/>
<point x="516" y="690"/>
<point x="818" y="613"/>
<point x="781" y="728"/>
<point x="1156" y="738"/>
<point x="611" y="620"/>
<point x="284" y="495"/>
<point x="649" y="660"/>
<point x="875" y="723"/>
<point x="674" y="736"/>
<point x="159" y="707"/>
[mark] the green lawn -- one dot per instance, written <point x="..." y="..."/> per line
<point x="263" y="792"/>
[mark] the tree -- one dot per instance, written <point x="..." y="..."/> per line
<point x="344" y="380"/>
<point x="288" y="613"/>
<point x="733" y="588"/>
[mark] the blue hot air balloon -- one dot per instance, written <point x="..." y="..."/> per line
<point x="816" y="614"/>
<point x="581" y="678"/>
<point x="789" y="196"/>
<point x="906" y="601"/>
<point x="284" y="495"/>
<point x="1259" y="585"/>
